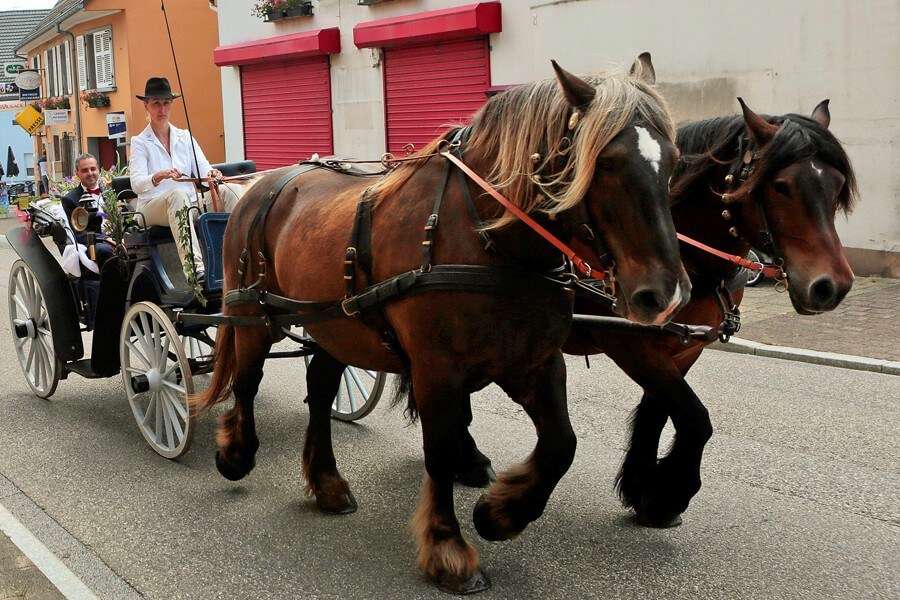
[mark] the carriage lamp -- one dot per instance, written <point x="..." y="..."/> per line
<point x="85" y="218"/>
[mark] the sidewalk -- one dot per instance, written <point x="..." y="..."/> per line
<point x="864" y="330"/>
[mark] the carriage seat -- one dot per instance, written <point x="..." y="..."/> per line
<point x="122" y="187"/>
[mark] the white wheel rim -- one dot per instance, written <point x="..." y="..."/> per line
<point x="152" y="351"/>
<point x="35" y="352"/>
<point x="358" y="393"/>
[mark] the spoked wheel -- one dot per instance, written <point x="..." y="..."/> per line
<point x="753" y="277"/>
<point x="29" y="323"/>
<point x="200" y="349"/>
<point x="358" y="393"/>
<point x="157" y="378"/>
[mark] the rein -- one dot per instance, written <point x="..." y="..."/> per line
<point x="579" y="263"/>
<point x="774" y="272"/>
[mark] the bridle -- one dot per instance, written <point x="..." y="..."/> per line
<point x="736" y="177"/>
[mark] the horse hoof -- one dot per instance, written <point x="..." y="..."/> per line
<point x="666" y="521"/>
<point x="477" y="476"/>
<point x="228" y="470"/>
<point x="478" y="582"/>
<point x="484" y="523"/>
<point x="339" y="504"/>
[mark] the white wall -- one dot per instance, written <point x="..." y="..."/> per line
<point x="779" y="56"/>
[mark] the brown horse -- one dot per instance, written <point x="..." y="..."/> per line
<point x="774" y="183"/>
<point x="584" y="157"/>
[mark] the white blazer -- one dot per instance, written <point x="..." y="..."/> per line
<point x="148" y="155"/>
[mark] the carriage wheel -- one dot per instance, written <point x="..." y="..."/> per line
<point x="157" y="378"/>
<point x="358" y="393"/>
<point x="200" y="349"/>
<point x="29" y="323"/>
<point x="753" y="277"/>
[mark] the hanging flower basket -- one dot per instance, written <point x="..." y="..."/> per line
<point x="95" y="99"/>
<point x="98" y="102"/>
<point x="275" y="10"/>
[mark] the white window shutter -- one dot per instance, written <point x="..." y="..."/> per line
<point x="67" y="60"/>
<point x="57" y="73"/>
<point x="48" y="90"/>
<point x="82" y="64"/>
<point x="103" y="59"/>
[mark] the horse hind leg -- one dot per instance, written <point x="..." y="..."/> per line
<point x="475" y="468"/>
<point x="331" y="490"/>
<point x="520" y="495"/>
<point x="236" y="436"/>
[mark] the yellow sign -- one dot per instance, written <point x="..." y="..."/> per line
<point x="30" y="119"/>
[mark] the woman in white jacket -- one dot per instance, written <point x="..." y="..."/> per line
<point x="162" y="153"/>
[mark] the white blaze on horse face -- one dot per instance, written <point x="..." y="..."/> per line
<point x="649" y="148"/>
<point x="815" y="168"/>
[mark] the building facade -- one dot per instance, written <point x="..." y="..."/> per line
<point x="108" y="49"/>
<point x="359" y="77"/>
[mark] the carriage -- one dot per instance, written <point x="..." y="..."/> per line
<point x="131" y="314"/>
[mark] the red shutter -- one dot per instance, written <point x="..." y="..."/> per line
<point x="429" y="87"/>
<point x="287" y="111"/>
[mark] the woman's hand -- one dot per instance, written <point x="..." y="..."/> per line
<point x="215" y="174"/>
<point x="172" y="173"/>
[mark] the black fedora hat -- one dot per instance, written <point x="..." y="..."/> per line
<point x="158" y="88"/>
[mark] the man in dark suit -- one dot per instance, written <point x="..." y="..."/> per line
<point x="88" y="174"/>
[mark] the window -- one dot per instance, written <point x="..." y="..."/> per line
<point x="95" y="60"/>
<point x="58" y="75"/>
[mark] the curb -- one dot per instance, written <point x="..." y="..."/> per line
<point x="829" y="359"/>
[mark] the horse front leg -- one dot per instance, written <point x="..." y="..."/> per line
<point x="659" y="491"/>
<point x="519" y="496"/>
<point x="331" y="490"/>
<point x="637" y="470"/>
<point x="236" y="436"/>
<point x="444" y="554"/>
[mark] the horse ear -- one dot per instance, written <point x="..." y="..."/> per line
<point x="821" y="114"/>
<point x="642" y="68"/>
<point x="577" y="91"/>
<point x="761" y="130"/>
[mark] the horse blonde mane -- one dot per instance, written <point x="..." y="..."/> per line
<point x="533" y="118"/>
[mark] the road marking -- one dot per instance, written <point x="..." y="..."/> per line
<point x="58" y="573"/>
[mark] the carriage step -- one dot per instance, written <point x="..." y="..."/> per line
<point x="83" y="367"/>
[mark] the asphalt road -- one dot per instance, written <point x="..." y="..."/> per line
<point x="801" y="494"/>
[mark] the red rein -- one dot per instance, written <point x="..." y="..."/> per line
<point x="733" y="258"/>
<point x="580" y="264"/>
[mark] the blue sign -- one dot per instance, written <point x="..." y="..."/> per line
<point x="115" y="125"/>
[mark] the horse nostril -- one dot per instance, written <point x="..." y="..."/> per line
<point x="822" y="291"/>
<point x="647" y="300"/>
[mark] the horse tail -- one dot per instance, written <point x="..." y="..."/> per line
<point x="224" y="367"/>
<point x="404" y="388"/>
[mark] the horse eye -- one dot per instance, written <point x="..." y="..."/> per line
<point x="605" y="164"/>
<point x="781" y="187"/>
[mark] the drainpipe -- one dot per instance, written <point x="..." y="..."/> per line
<point x="73" y="60"/>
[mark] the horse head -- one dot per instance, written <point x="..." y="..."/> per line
<point x="596" y="153"/>
<point x="799" y="178"/>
